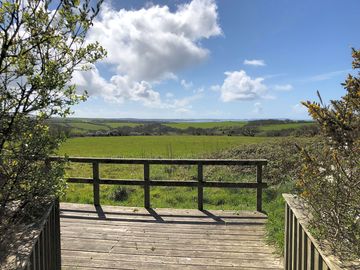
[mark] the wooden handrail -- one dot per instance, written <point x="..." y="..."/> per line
<point x="146" y="182"/>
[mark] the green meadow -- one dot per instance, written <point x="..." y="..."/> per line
<point x="284" y="126"/>
<point x="152" y="146"/>
<point x="224" y="124"/>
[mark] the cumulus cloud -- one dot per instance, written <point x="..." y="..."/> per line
<point x="283" y="87"/>
<point x="239" y="86"/>
<point x="255" y="62"/>
<point x="118" y="89"/>
<point x="147" y="46"/>
<point x="153" y="43"/>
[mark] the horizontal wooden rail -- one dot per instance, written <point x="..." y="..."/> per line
<point x="146" y="182"/>
<point x="242" y="162"/>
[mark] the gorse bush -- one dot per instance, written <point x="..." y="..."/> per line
<point x="330" y="176"/>
<point x="284" y="159"/>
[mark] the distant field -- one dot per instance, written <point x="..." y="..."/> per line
<point x="283" y="126"/>
<point x="88" y="126"/>
<point x="121" y="124"/>
<point x="85" y="126"/>
<point x="152" y="146"/>
<point x="185" y="125"/>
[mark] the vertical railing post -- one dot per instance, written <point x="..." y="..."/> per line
<point x="200" y="187"/>
<point x="57" y="235"/>
<point x="259" y="188"/>
<point x="146" y="185"/>
<point x="96" y="180"/>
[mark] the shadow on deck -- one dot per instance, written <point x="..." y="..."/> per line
<point x="113" y="237"/>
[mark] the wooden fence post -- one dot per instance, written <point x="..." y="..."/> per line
<point x="146" y="185"/>
<point x="96" y="187"/>
<point x="57" y="235"/>
<point x="259" y="188"/>
<point x="200" y="187"/>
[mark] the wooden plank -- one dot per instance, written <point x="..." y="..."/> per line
<point x="170" y="183"/>
<point x="88" y="263"/>
<point x="243" y="162"/>
<point x="245" y="230"/>
<point x="114" y="259"/>
<point x="156" y="250"/>
<point x="107" y="209"/>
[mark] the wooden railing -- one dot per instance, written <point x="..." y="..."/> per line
<point x="146" y="182"/>
<point x="302" y="250"/>
<point x="46" y="251"/>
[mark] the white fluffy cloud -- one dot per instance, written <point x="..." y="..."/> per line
<point x="255" y="62"/>
<point x="153" y="43"/>
<point x="146" y="46"/>
<point x="239" y="86"/>
<point x="118" y="89"/>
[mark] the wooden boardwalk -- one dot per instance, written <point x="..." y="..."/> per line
<point x="111" y="237"/>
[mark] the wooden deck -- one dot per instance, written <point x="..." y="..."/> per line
<point x="111" y="237"/>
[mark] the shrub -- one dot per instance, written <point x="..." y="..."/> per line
<point x="121" y="193"/>
<point x="330" y="176"/>
<point x="284" y="159"/>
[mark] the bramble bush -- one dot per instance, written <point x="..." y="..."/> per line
<point x="330" y="177"/>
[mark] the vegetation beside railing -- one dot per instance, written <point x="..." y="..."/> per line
<point x="302" y="250"/>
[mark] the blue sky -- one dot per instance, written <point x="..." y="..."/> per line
<point x="225" y="59"/>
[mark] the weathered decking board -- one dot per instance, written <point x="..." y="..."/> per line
<point x="112" y="237"/>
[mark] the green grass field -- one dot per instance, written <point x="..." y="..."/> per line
<point x="185" y="125"/>
<point x="88" y="126"/>
<point x="152" y="146"/>
<point x="121" y="124"/>
<point x="283" y="126"/>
